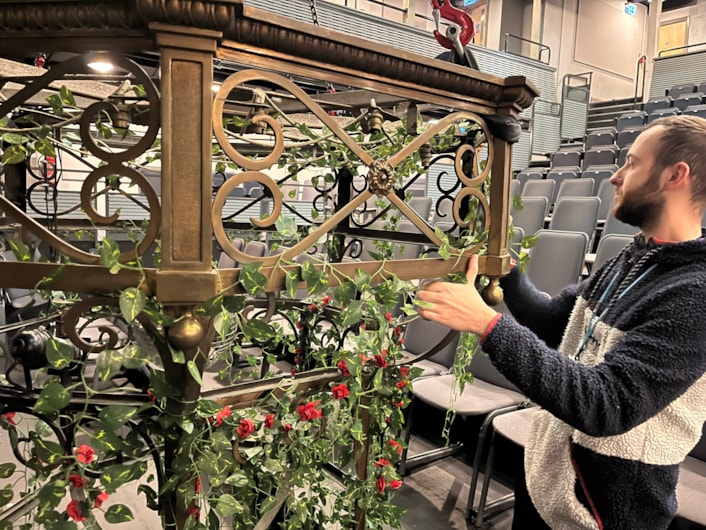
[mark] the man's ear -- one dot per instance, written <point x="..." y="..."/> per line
<point x="679" y="175"/>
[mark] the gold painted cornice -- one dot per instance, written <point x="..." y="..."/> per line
<point x="251" y="34"/>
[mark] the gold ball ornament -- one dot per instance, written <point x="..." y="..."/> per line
<point x="186" y="333"/>
<point x="493" y="293"/>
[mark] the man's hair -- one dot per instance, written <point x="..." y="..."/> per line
<point x="683" y="139"/>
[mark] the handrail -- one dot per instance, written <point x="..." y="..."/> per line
<point x="404" y="10"/>
<point x="642" y="61"/>
<point x="659" y="55"/>
<point x="542" y="48"/>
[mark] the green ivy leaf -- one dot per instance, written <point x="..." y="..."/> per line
<point x="44" y="147"/>
<point x="362" y="279"/>
<point x="316" y="280"/>
<point x="51" y="495"/>
<point x="50" y="452"/>
<point x="132" y="302"/>
<point x="194" y="371"/>
<point x="66" y="96"/>
<point x="6" y="470"/>
<point x="344" y="293"/>
<point x="211" y="307"/>
<point x="252" y="280"/>
<point x="59" y="353"/>
<point x="13" y="138"/>
<point x="116" y="475"/>
<point x="177" y="355"/>
<point x="6" y="494"/>
<point x="286" y="226"/>
<point x="291" y="282"/>
<point x="52" y="398"/>
<point x="20" y="250"/>
<point x="114" y="416"/>
<point x="212" y="521"/>
<point x="108" y="364"/>
<point x="352" y="314"/>
<point x="14" y="154"/>
<point x="222" y="323"/>
<point x="134" y="357"/>
<point x="234" y="304"/>
<point x="109" y="253"/>
<point x="118" y="513"/>
<point x="228" y="505"/>
<point x="57" y="106"/>
<point x="258" y="330"/>
<point x="238" y="479"/>
<point x="107" y="442"/>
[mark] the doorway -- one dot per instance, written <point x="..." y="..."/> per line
<point x="673" y="34"/>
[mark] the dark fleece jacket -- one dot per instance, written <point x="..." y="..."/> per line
<point x="617" y="365"/>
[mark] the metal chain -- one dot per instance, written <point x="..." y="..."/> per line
<point x="314" y="14"/>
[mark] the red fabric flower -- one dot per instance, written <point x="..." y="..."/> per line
<point x="85" y="454"/>
<point x="382" y="462"/>
<point x="401" y="384"/>
<point x="73" y="510"/>
<point x="396" y="446"/>
<point x="287" y="427"/>
<point x="404" y="371"/>
<point x="246" y="428"/>
<point x="194" y="512"/>
<point x="197" y="485"/>
<point x="270" y="421"/>
<point x="100" y="499"/>
<point x="381" y="484"/>
<point x="381" y="361"/>
<point x="77" y="481"/>
<point x="313" y="308"/>
<point x="388" y="317"/>
<point x="300" y="325"/>
<point x="326" y="300"/>
<point x="395" y="484"/>
<point x="9" y="417"/>
<point x="308" y="411"/>
<point x="151" y="396"/>
<point x="224" y="413"/>
<point x="343" y="367"/>
<point x="397" y="331"/>
<point x="340" y="391"/>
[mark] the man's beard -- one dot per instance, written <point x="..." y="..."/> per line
<point x="641" y="207"/>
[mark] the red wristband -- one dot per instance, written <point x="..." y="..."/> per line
<point x="490" y="327"/>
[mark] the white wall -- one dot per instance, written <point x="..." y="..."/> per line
<point x="603" y="40"/>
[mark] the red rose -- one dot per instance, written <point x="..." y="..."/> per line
<point x="399" y="404"/>
<point x="340" y="391"/>
<point x="197" y="485"/>
<point x="151" y="396"/>
<point x="343" y="367"/>
<point x="388" y="317"/>
<point x="404" y="371"/>
<point x="287" y="427"/>
<point x="401" y="341"/>
<point x="381" y="484"/>
<point x="102" y="497"/>
<point x="246" y="428"/>
<point x="85" y="454"/>
<point x="73" y="510"/>
<point x="300" y="325"/>
<point x="9" y="417"/>
<point x="397" y="331"/>
<point x="224" y="413"/>
<point x="382" y="462"/>
<point x="308" y="411"/>
<point x="401" y="384"/>
<point x="77" y="481"/>
<point x="313" y="308"/>
<point x="269" y="421"/>
<point x="194" y="512"/>
<point x="395" y="484"/>
<point x="381" y="361"/>
<point x="326" y="300"/>
<point x="396" y="446"/>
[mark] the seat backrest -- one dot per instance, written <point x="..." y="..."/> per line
<point x="422" y="335"/>
<point x="630" y="119"/>
<point x="606" y="193"/>
<point x="407" y="250"/>
<point x="558" y="177"/>
<point x="678" y="90"/>
<point x="686" y="100"/>
<point x="661" y="113"/>
<point x="421" y="205"/>
<point x="514" y="188"/>
<point x="443" y="211"/>
<point x="528" y="174"/>
<point x="627" y="136"/>
<point x="599" y="156"/>
<point x="556" y="259"/>
<point x="658" y="103"/>
<point x="696" y="110"/>
<point x="567" y="158"/>
<point x="255" y="249"/>
<point x="602" y="137"/>
<point x="610" y="246"/>
<point x="576" y="214"/>
<point x="540" y="188"/>
<point x="531" y="217"/>
<point x="578" y="187"/>
<point x="598" y="176"/>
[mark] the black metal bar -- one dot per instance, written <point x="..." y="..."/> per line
<point x="642" y="61"/>
<point x="542" y="48"/>
<point x="659" y="55"/>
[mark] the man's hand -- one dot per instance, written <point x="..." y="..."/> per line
<point x="458" y="306"/>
